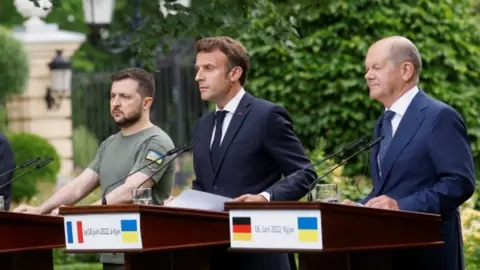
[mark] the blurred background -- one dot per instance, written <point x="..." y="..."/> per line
<point x="56" y="59"/>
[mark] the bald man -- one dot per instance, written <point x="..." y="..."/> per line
<point x="424" y="163"/>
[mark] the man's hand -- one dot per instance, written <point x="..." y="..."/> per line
<point x="27" y="209"/>
<point x="348" y="202"/>
<point x="56" y="210"/>
<point x="383" y="202"/>
<point x="250" y="198"/>
<point x="167" y="201"/>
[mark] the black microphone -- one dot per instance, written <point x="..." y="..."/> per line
<point x="370" y="145"/>
<point x="37" y="166"/>
<point x="346" y="148"/>
<point x="173" y="151"/>
<point x="21" y="166"/>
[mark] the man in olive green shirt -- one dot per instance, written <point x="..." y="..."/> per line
<point x="138" y="143"/>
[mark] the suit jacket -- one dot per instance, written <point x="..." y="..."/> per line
<point x="7" y="162"/>
<point x="258" y="148"/>
<point x="428" y="168"/>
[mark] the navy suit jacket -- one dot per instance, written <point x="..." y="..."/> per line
<point x="7" y="162"/>
<point x="428" y="168"/>
<point x="258" y="148"/>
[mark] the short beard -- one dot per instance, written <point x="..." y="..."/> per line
<point x="129" y="121"/>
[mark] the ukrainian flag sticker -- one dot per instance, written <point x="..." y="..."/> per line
<point x="154" y="156"/>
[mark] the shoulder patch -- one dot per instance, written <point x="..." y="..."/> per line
<point x="154" y="156"/>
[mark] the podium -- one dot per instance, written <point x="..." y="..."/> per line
<point x="330" y="236"/>
<point x="165" y="237"/>
<point x="27" y="240"/>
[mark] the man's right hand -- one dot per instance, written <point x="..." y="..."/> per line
<point x="27" y="209"/>
<point x="167" y="201"/>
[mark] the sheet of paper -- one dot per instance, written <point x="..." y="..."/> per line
<point x="199" y="200"/>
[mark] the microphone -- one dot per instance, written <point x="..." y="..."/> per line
<point x="21" y="166"/>
<point x="370" y="145"/>
<point x="37" y="166"/>
<point x="346" y="148"/>
<point x="173" y="151"/>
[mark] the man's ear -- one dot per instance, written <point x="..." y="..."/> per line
<point x="147" y="103"/>
<point x="236" y="73"/>
<point x="408" y="71"/>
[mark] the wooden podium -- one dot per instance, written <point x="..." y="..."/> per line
<point x="330" y="236"/>
<point x="27" y="240"/>
<point x="165" y="237"/>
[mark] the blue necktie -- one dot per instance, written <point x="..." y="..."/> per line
<point x="387" y="132"/>
<point x="215" y="149"/>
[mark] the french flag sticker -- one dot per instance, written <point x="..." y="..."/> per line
<point x="74" y="232"/>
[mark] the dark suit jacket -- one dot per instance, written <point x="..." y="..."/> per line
<point x="428" y="168"/>
<point x="258" y="148"/>
<point x="7" y="162"/>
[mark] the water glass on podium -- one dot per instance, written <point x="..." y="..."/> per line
<point x="2" y="203"/>
<point x="326" y="193"/>
<point x="142" y="196"/>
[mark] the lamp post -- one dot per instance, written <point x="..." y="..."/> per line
<point x="98" y="15"/>
<point x="61" y="70"/>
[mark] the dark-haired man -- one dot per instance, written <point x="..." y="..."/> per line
<point x="246" y="145"/>
<point x="138" y="143"/>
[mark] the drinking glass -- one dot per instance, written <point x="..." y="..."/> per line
<point x="2" y="203"/>
<point x="142" y="196"/>
<point x="326" y="193"/>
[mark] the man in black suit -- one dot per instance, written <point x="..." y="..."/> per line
<point x="7" y="162"/>
<point x="246" y="145"/>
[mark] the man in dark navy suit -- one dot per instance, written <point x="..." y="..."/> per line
<point x="7" y="162"/>
<point x="424" y="163"/>
<point x="246" y="145"/>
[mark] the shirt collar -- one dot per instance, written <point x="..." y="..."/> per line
<point x="233" y="103"/>
<point x="401" y="105"/>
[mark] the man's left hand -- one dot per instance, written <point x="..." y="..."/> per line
<point x="250" y="198"/>
<point x="383" y="202"/>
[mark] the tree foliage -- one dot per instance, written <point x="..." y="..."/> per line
<point x="311" y="60"/>
<point x="14" y="65"/>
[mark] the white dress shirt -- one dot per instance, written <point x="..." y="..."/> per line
<point x="400" y="106"/>
<point x="231" y="107"/>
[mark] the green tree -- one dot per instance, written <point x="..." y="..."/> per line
<point x="13" y="65"/>
<point x="311" y="60"/>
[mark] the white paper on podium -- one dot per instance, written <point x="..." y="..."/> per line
<point x="199" y="200"/>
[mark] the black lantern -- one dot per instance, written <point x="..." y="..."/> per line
<point x="61" y="72"/>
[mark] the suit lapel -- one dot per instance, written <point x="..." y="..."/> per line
<point x="237" y="119"/>
<point x="374" y="152"/>
<point x="206" y="136"/>
<point x="408" y="126"/>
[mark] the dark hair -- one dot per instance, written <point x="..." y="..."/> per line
<point x="236" y="54"/>
<point x="146" y="84"/>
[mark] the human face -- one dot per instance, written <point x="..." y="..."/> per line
<point x="126" y="105"/>
<point x="383" y="76"/>
<point x="213" y="75"/>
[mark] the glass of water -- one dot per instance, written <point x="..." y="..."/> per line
<point x="142" y="196"/>
<point x="326" y="193"/>
<point x="2" y="203"/>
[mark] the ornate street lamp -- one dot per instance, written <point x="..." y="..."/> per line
<point x="61" y="82"/>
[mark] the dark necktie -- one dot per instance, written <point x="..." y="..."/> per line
<point x="215" y="149"/>
<point x="386" y="132"/>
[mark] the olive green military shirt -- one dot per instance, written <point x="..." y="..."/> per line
<point x="120" y="155"/>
